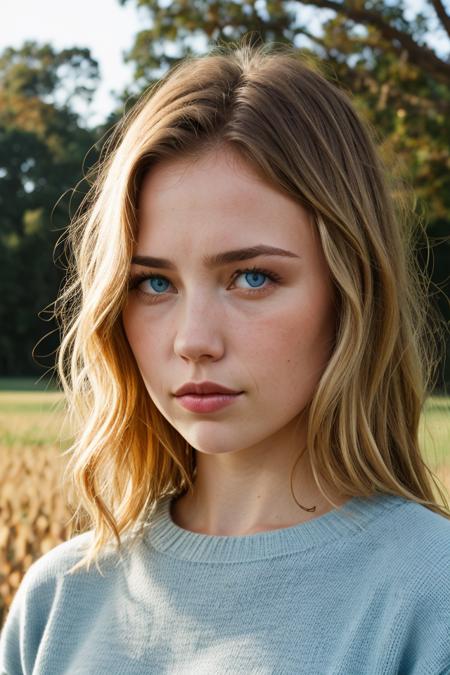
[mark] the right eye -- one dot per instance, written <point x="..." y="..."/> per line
<point x="157" y="283"/>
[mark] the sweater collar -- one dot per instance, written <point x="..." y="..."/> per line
<point x="353" y="517"/>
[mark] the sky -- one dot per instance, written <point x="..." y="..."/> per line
<point x="108" y="29"/>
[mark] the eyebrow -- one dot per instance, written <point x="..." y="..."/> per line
<point x="219" y="259"/>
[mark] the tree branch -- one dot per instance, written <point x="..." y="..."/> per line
<point x="420" y="103"/>
<point x="420" y="56"/>
<point x="442" y="14"/>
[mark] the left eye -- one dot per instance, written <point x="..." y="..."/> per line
<point x="253" y="277"/>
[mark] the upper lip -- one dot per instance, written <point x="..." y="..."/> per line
<point x="204" y="388"/>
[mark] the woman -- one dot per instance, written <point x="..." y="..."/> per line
<point x="244" y="356"/>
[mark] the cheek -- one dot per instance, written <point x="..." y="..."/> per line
<point x="295" y="346"/>
<point x="138" y="337"/>
<point x="143" y="345"/>
<point x="305" y="327"/>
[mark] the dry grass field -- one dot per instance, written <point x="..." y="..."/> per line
<point x="34" y="516"/>
<point x="33" y="513"/>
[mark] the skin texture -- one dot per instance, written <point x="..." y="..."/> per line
<point x="197" y="324"/>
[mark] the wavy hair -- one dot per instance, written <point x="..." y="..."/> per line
<point x="274" y="106"/>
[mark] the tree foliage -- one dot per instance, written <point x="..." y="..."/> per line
<point x="42" y="148"/>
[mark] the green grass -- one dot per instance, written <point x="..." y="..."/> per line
<point x="27" y="384"/>
<point x="32" y="418"/>
<point x="434" y="431"/>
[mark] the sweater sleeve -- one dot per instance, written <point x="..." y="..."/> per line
<point x="10" y="659"/>
<point x="427" y="635"/>
<point x="26" y="620"/>
<point x="28" y="616"/>
<point x="19" y="639"/>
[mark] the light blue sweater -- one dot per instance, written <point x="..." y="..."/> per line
<point x="364" y="589"/>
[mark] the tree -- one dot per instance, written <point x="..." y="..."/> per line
<point x="42" y="147"/>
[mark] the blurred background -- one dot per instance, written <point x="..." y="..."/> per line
<point x="68" y="72"/>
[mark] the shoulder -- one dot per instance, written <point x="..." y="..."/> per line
<point x="419" y="531"/>
<point x="54" y="570"/>
<point x="36" y="591"/>
<point x="420" y="564"/>
<point x="68" y="551"/>
<point x="60" y="559"/>
<point x="50" y="568"/>
<point x="404" y="548"/>
<point x="49" y="585"/>
<point x="426" y="539"/>
<point x="408" y="552"/>
<point x="412" y="536"/>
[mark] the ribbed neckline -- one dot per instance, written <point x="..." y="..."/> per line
<point x="355" y="515"/>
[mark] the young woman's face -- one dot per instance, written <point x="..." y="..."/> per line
<point x="267" y="338"/>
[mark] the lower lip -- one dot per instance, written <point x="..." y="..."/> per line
<point x="207" y="402"/>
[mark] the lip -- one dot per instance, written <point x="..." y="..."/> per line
<point x="202" y="388"/>
<point x="205" y="403"/>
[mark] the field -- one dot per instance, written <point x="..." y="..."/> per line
<point x="34" y="516"/>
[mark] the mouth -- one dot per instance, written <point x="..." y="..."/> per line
<point x="204" y="403"/>
<point x="204" y="388"/>
<point x="213" y="393"/>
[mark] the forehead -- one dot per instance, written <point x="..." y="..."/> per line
<point x="217" y="198"/>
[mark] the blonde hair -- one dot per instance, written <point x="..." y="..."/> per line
<point x="273" y="106"/>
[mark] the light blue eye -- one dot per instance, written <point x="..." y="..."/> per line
<point x="252" y="275"/>
<point x="155" y="283"/>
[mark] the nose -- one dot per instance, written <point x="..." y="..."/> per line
<point x="199" y="330"/>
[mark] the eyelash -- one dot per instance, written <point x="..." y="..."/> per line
<point x="137" y="279"/>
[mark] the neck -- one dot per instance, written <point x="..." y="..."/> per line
<point x="235" y="496"/>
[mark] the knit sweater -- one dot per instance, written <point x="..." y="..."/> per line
<point x="362" y="589"/>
